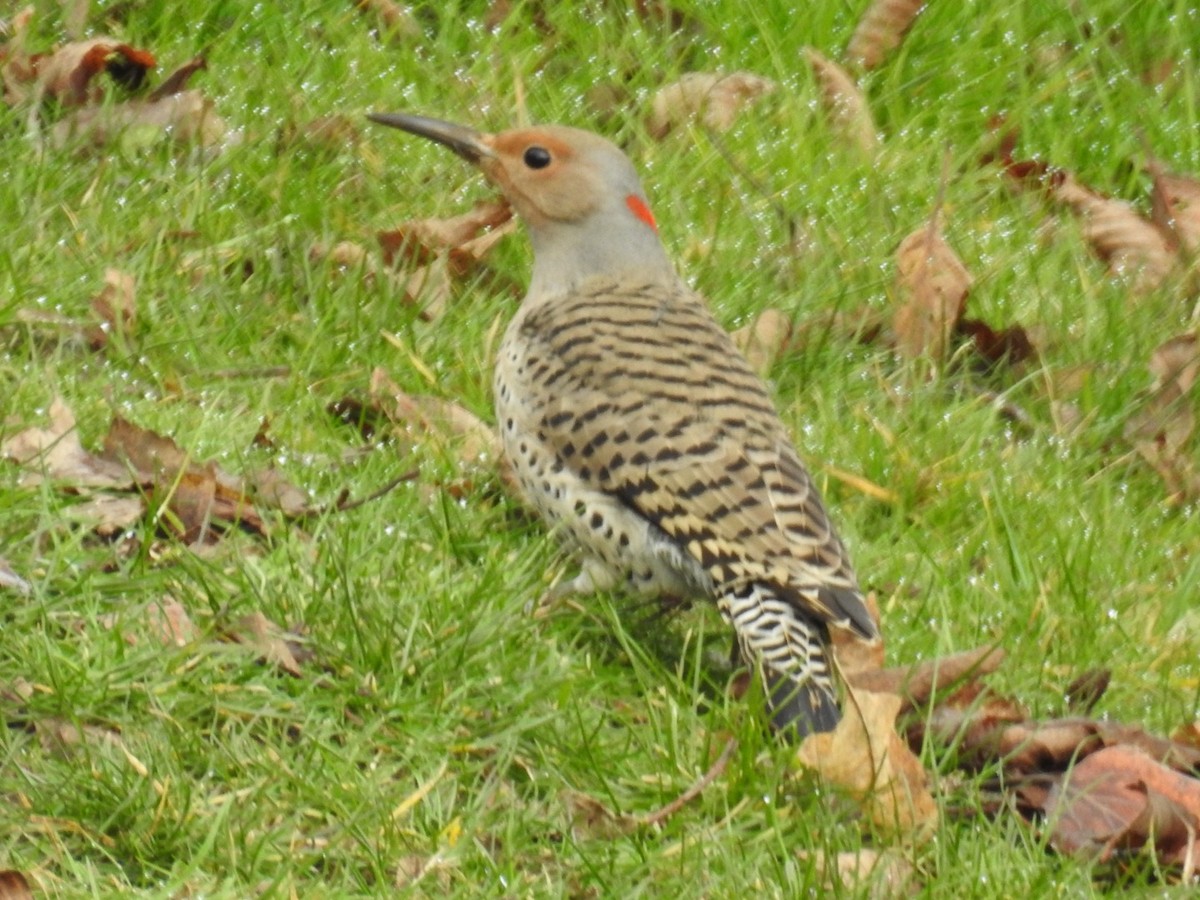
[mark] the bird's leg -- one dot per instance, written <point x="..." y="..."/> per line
<point x="593" y="576"/>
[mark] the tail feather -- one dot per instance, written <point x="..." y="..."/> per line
<point x="799" y="709"/>
<point x="790" y="650"/>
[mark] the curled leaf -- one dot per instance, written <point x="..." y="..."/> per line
<point x="186" y="117"/>
<point x="715" y="99"/>
<point x="880" y="30"/>
<point x="845" y="104"/>
<point x="68" y="75"/>
<point x="866" y="757"/>
<point x="933" y="285"/>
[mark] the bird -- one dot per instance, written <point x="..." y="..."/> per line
<point x="639" y="432"/>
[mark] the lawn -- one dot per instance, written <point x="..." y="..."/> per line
<point x="432" y="734"/>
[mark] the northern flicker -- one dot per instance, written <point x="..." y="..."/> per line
<point x="639" y="431"/>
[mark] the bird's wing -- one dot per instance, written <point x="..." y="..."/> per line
<point x="649" y="401"/>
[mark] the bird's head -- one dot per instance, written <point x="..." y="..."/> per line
<point x="578" y="194"/>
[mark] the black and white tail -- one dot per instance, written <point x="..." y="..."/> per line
<point x="791" y="652"/>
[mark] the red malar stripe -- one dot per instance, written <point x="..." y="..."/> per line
<point x="641" y="210"/>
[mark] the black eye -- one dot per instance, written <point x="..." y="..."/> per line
<point x="537" y="157"/>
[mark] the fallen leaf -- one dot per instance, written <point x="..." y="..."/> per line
<point x="412" y="869"/>
<point x="199" y="499"/>
<point x="933" y="285"/>
<point x="592" y="819"/>
<point x="17" y="71"/>
<point x="1161" y="429"/>
<point x="1121" y="799"/>
<point x="1176" y="207"/>
<point x="1133" y="247"/>
<point x="1085" y="691"/>
<point x="866" y="757"/>
<point x="107" y="514"/>
<point x="178" y="80"/>
<point x="68" y="74"/>
<point x="270" y="642"/>
<point x="845" y="104"/>
<point x="1188" y="734"/>
<point x="14" y="885"/>
<point x="1010" y="345"/>
<point x="186" y="117"/>
<point x="170" y="623"/>
<point x="427" y="286"/>
<point x="446" y="424"/>
<point x="271" y="489"/>
<point x="880" y="31"/>
<point x="917" y="684"/>
<point x="422" y="240"/>
<point x="970" y="720"/>
<point x="713" y="98"/>
<point x="394" y="19"/>
<point x="115" y="306"/>
<point x="56" y="453"/>
<point x="62" y="738"/>
<point x="331" y="134"/>
<point x="872" y="874"/>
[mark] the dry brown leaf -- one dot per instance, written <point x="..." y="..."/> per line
<point x="880" y="31"/>
<point x="115" y="306"/>
<point x="170" y="623"/>
<point x="713" y="98"/>
<point x="1176" y="207"/>
<point x="178" y="80"/>
<point x="332" y="134"/>
<point x="917" y="684"/>
<point x="933" y="285"/>
<point x="422" y="240"/>
<point x="394" y="19"/>
<point x="765" y="339"/>
<point x="1163" y="427"/>
<point x="1051" y="745"/>
<point x="1011" y="345"/>
<point x="14" y="885"/>
<point x="57" y="454"/>
<point x="1121" y="799"/>
<point x="866" y="757"/>
<point x="873" y="874"/>
<point x="199" y="498"/>
<point x="1188" y="734"/>
<point x="443" y="422"/>
<point x="427" y="286"/>
<point x="186" y="117"/>
<point x="107" y="514"/>
<point x="62" y="738"/>
<point x="17" y="72"/>
<point x="972" y="721"/>
<point x="269" y="641"/>
<point x="270" y="488"/>
<point x="68" y="75"/>
<point x="414" y="868"/>
<point x="1132" y="245"/>
<point x="845" y="104"/>
<point x="592" y="819"/>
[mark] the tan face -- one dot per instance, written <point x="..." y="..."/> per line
<point x="543" y="177"/>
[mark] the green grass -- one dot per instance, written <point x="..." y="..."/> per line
<point x="437" y="721"/>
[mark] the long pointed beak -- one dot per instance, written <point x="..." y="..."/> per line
<point x="465" y="142"/>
